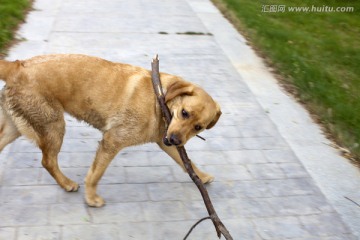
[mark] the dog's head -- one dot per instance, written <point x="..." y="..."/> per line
<point x="192" y="109"/>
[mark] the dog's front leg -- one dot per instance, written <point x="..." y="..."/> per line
<point x="173" y="153"/>
<point x="108" y="148"/>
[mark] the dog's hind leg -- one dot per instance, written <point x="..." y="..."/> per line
<point x="108" y="148"/>
<point x="8" y="130"/>
<point x="50" y="142"/>
<point x="42" y="120"/>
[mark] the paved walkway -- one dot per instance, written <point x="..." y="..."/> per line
<point x="276" y="176"/>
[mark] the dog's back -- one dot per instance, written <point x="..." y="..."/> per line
<point x="89" y="88"/>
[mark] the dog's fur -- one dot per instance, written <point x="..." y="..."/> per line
<point x="118" y="99"/>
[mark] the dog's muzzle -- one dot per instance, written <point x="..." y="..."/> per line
<point x="174" y="140"/>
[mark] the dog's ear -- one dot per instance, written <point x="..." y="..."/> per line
<point x="216" y="118"/>
<point x="178" y="88"/>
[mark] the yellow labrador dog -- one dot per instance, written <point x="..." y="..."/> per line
<point x="118" y="99"/>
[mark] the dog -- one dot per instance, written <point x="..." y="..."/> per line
<point x="118" y="99"/>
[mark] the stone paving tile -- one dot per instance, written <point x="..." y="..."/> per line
<point x="42" y="232"/>
<point x="340" y="237"/>
<point x="124" y="7"/>
<point x="216" y="144"/>
<point x="98" y="22"/>
<point x="138" y="159"/>
<point x="76" y="174"/>
<point x="20" y="160"/>
<point x="196" y="210"/>
<point x="25" y="145"/>
<point x="261" y="190"/>
<point x="129" y="45"/>
<point x="83" y="132"/>
<point x="139" y="230"/>
<point x="280" y="228"/>
<point x="76" y="159"/>
<point x="238" y="189"/>
<point x="244" y="157"/>
<point x="180" y="176"/>
<point x="166" y="191"/>
<point x="80" y="145"/>
<point x="290" y="187"/>
<point x="93" y="231"/>
<point x="191" y="192"/>
<point x="118" y="193"/>
<point x="208" y="157"/>
<point x="324" y="225"/>
<point x="164" y="211"/>
<point x="204" y="231"/>
<point x="228" y="172"/>
<point x="71" y="197"/>
<point x="28" y="49"/>
<point x="118" y="213"/>
<point x="179" y="230"/>
<point x="62" y="214"/>
<point x="37" y="32"/>
<point x="280" y="156"/>
<point x="19" y="215"/>
<point x="21" y="177"/>
<point x="299" y="205"/>
<point x="257" y="127"/>
<point x="293" y="170"/>
<point x="7" y="233"/>
<point x="29" y="195"/>
<point x="241" y="228"/>
<point x="217" y="69"/>
<point x="266" y="171"/>
<point x="228" y="131"/>
<point x="263" y="143"/>
<point x="112" y="175"/>
<point x="153" y="174"/>
<point x="244" y="207"/>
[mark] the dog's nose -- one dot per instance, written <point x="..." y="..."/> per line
<point x="166" y="141"/>
<point x="174" y="140"/>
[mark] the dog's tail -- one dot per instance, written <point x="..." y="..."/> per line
<point x="8" y="68"/>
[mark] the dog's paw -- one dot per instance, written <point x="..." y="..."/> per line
<point x="207" y="178"/>
<point x="96" y="201"/>
<point x="71" y="187"/>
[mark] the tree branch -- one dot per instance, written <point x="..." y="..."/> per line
<point x="219" y="226"/>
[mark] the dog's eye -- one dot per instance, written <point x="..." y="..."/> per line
<point x="185" y="114"/>
<point x="198" y="127"/>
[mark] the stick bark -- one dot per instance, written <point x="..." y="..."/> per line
<point x="219" y="226"/>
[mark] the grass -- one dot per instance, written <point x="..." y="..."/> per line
<point x="316" y="53"/>
<point x="12" y="12"/>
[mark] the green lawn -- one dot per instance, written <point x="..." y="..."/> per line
<point x="317" y="53"/>
<point x="12" y="12"/>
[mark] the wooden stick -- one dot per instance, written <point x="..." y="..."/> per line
<point x="219" y="226"/>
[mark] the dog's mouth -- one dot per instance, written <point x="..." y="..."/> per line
<point x="173" y="140"/>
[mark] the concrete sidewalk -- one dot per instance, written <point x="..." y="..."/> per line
<point x="276" y="176"/>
